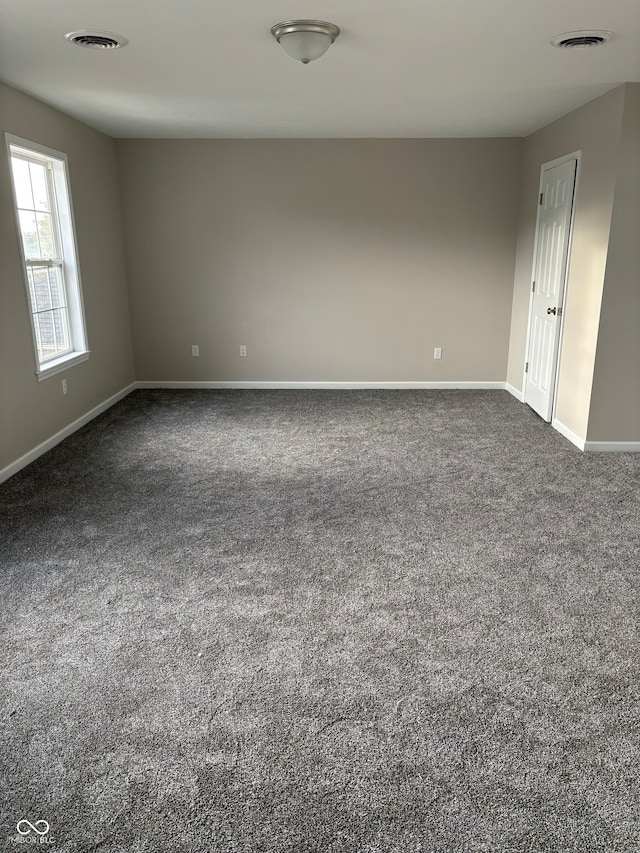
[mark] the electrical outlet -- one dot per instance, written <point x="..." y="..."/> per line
<point x="243" y="351"/>
<point x="195" y="350"/>
<point x="64" y="386"/>
<point x="437" y="352"/>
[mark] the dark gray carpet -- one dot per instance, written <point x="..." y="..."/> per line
<point x="322" y="621"/>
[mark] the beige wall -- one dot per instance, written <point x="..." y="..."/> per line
<point x="615" y="398"/>
<point x="337" y="260"/>
<point x="31" y="412"/>
<point x="595" y="129"/>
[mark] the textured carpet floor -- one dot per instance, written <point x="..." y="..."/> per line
<point x="321" y="621"/>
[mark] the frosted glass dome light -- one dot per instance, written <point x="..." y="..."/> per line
<point x="305" y="40"/>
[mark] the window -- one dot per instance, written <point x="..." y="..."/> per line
<point x="45" y="225"/>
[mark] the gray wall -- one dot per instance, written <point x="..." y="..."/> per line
<point x="595" y="129"/>
<point x="31" y="411"/>
<point x="334" y="260"/>
<point x="337" y="260"/>
<point x="615" y="398"/>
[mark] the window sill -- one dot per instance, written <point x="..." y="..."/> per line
<point x="61" y="364"/>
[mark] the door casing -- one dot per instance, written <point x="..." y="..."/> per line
<point x="577" y="156"/>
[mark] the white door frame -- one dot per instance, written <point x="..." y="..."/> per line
<point x="577" y="156"/>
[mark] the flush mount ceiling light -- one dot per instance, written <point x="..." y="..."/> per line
<point x="97" y="39"/>
<point x="582" y="38"/>
<point x="305" y="40"/>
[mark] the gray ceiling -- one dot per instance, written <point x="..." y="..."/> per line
<point x="210" y="68"/>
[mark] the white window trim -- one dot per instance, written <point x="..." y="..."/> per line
<point x="59" y="365"/>
<point x="78" y="330"/>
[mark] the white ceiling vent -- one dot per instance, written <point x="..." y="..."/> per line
<point x="582" y="38"/>
<point x="97" y="39"/>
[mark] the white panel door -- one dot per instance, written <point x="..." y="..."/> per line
<point x="552" y="251"/>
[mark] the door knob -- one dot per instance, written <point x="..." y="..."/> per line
<point x="551" y="310"/>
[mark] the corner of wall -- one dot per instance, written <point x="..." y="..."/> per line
<point x="614" y="411"/>
<point x="40" y="411"/>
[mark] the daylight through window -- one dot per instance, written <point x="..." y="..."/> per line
<point x="45" y="224"/>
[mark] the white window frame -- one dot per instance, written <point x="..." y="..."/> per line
<point x="68" y="263"/>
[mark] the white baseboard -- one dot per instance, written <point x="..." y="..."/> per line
<point x="32" y="455"/>
<point x="338" y="386"/>
<point x="519" y="395"/>
<point x="612" y="446"/>
<point x="569" y="434"/>
<point x="596" y="446"/>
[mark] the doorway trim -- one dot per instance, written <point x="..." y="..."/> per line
<point x="550" y="164"/>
